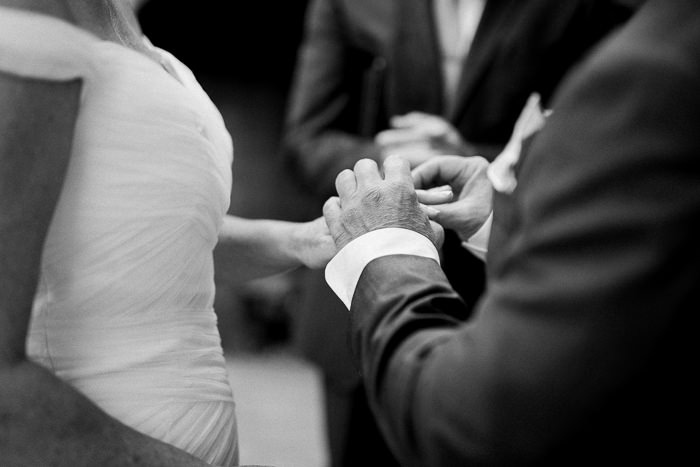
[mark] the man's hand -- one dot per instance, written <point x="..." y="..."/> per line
<point x="367" y="201"/>
<point x="417" y="137"/>
<point x="467" y="177"/>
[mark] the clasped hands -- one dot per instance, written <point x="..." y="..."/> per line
<point x="423" y="200"/>
<point x="418" y="137"/>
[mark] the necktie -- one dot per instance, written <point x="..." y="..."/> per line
<point x="414" y="60"/>
<point x="451" y="42"/>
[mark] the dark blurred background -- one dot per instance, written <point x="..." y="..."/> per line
<point x="243" y="55"/>
<point x="241" y="41"/>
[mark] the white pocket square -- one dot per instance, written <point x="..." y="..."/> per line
<point x="501" y="171"/>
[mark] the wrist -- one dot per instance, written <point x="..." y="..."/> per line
<point x="296" y="243"/>
<point x="480" y="233"/>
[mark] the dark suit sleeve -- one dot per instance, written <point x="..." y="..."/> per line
<point x="322" y="127"/>
<point x="595" y="264"/>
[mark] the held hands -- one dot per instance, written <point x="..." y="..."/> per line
<point x="417" y="137"/>
<point x="313" y="243"/>
<point x="368" y="201"/>
<point x="466" y="176"/>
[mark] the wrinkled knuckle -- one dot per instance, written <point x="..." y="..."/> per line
<point x="402" y="191"/>
<point x="372" y="196"/>
<point x="351" y="215"/>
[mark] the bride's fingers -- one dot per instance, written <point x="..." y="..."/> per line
<point x="430" y="211"/>
<point x="345" y="183"/>
<point x="439" y="233"/>
<point x="331" y="214"/>
<point x="435" y="196"/>
<point x="440" y="188"/>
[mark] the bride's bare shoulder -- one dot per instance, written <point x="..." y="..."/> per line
<point x="56" y="8"/>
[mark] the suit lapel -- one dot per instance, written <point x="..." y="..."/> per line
<point x="488" y="38"/>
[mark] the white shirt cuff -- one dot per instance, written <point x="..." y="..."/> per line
<point x="344" y="270"/>
<point x="478" y="243"/>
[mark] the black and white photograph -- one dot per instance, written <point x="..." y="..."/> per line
<point x="348" y="233"/>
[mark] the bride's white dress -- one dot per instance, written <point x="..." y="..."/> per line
<point x="124" y="306"/>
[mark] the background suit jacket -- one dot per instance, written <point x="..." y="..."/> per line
<point x="357" y="67"/>
<point x="346" y="86"/>
<point x="582" y="349"/>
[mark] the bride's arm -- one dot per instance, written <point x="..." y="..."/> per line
<point x="44" y="421"/>
<point x="253" y="248"/>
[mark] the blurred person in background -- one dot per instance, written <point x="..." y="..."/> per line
<point x="413" y="78"/>
<point x="115" y="179"/>
<point x="581" y="351"/>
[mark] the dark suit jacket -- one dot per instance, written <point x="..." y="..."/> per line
<point x="346" y="84"/>
<point x="357" y="67"/>
<point x="581" y="351"/>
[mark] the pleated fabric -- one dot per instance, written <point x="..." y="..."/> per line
<point x="124" y="308"/>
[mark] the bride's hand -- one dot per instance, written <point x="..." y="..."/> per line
<point x="314" y="245"/>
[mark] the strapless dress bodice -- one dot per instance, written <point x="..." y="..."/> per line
<point x="124" y="306"/>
